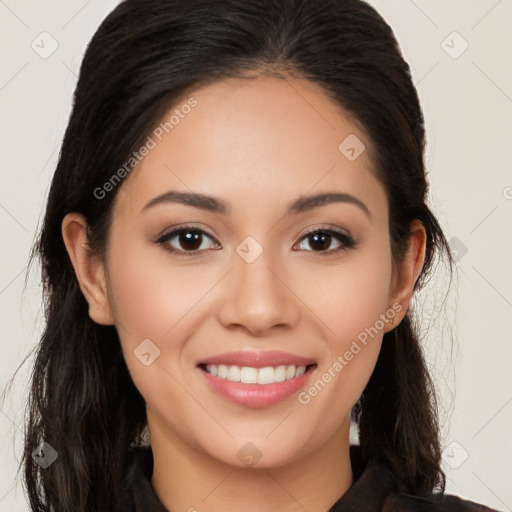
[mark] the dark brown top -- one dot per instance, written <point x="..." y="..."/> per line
<point x="374" y="490"/>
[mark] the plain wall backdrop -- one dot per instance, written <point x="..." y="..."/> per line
<point x="460" y="53"/>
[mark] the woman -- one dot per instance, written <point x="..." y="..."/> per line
<point x="234" y="232"/>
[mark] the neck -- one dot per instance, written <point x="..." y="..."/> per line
<point x="187" y="479"/>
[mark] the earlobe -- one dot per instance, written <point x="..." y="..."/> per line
<point x="89" y="268"/>
<point x="407" y="271"/>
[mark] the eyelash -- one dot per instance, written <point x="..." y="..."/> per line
<point x="347" y="241"/>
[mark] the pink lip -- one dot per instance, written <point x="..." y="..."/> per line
<point x="256" y="395"/>
<point x="257" y="359"/>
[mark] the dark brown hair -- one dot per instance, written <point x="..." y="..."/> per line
<point x="144" y="57"/>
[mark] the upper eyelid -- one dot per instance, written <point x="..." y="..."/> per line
<point x="173" y="231"/>
<point x="179" y="229"/>
<point x="176" y="230"/>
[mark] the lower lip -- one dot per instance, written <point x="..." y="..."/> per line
<point x="256" y="395"/>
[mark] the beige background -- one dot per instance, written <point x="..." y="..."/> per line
<point x="467" y="100"/>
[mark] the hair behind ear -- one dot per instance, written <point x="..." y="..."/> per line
<point x="397" y="414"/>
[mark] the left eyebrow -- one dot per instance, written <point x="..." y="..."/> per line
<point x="323" y="198"/>
<point x="216" y="205"/>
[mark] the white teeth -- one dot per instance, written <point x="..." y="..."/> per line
<point x="300" y="371"/>
<point x="250" y="375"/>
<point x="222" y="371"/>
<point x="234" y="374"/>
<point x="266" y="375"/>
<point x="280" y="373"/>
<point x="290" y="372"/>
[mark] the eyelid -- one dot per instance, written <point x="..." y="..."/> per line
<point x="179" y="227"/>
<point x="329" y="228"/>
<point x="176" y="230"/>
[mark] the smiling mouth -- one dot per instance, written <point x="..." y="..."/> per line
<point x="251" y="375"/>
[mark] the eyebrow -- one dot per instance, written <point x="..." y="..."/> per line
<point x="215" y="205"/>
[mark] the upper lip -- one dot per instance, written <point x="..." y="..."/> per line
<point x="257" y="359"/>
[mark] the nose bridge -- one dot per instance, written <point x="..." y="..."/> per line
<point x="255" y="282"/>
<point x="256" y="297"/>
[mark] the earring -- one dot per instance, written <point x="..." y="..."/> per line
<point x="392" y="321"/>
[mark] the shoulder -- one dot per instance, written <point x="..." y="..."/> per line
<point x="376" y="488"/>
<point x="432" y="503"/>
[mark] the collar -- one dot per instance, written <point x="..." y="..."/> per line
<point x="374" y="489"/>
<point x="373" y="482"/>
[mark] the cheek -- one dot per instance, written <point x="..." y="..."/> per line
<point x="148" y="296"/>
<point x="153" y="300"/>
<point x="349" y="297"/>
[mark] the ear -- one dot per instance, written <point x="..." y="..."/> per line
<point x="89" y="268"/>
<point x="406" y="272"/>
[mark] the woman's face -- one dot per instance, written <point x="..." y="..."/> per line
<point x="245" y="277"/>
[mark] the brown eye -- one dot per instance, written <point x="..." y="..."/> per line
<point x="320" y="240"/>
<point x="185" y="241"/>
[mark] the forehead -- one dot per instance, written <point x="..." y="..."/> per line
<point x="255" y="141"/>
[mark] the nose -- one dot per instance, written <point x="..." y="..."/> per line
<point x="257" y="298"/>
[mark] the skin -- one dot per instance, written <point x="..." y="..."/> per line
<point x="258" y="145"/>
